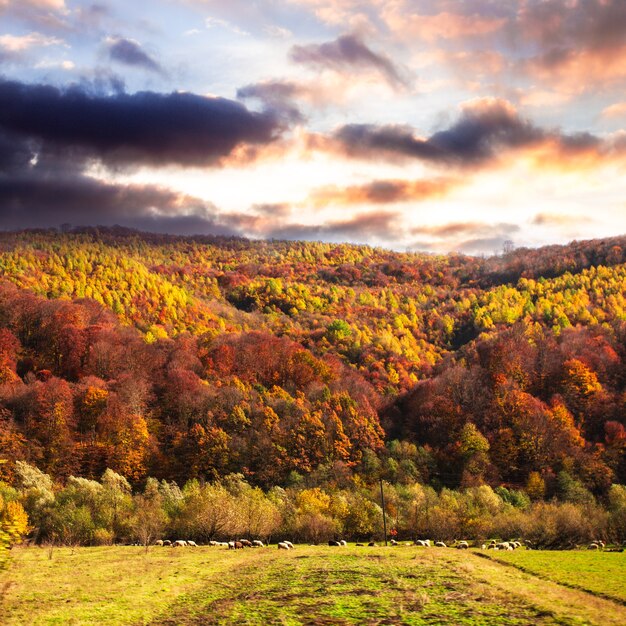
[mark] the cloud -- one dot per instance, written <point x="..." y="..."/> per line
<point x="486" y="131"/>
<point x="290" y="96"/>
<point x="277" y="95"/>
<point x="472" y="237"/>
<point x="347" y="54"/>
<point x="38" y="202"/>
<point x="572" y="44"/>
<point x="382" y="192"/>
<point x="278" y="209"/>
<point x="261" y="18"/>
<point x="44" y="13"/>
<point x="615" y="110"/>
<point x="465" y="229"/>
<point x="338" y="12"/>
<point x="211" y="22"/>
<point x="550" y="219"/>
<point x="277" y="32"/>
<point x="25" y="6"/>
<point x="402" y="18"/>
<point x="62" y="64"/>
<point x="378" y="225"/>
<point x="482" y="245"/>
<point x="129" y="52"/>
<point x="588" y="24"/>
<point x="21" y="43"/>
<point x="51" y="5"/>
<point x="141" y="128"/>
<point x="578" y="71"/>
<point x="484" y="128"/>
<point x="48" y="138"/>
<point x="43" y="189"/>
<point x="558" y="220"/>
<point x="577" y="44"/>
<point x="40" y="189"/>
<point x="474" y="63"/>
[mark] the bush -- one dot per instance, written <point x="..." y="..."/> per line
<point x="552" y="525"/>
<point x="617" y="512"/>
<point x="102" y="537"/>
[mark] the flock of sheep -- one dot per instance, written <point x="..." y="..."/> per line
<point x="424" y="543"/>
<point x="231" y="545"/>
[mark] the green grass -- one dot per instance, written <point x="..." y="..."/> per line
<point x="309" y="585"/>
<point x="602" y="573"/>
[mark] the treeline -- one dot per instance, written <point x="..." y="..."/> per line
<point x="107" y="511"/>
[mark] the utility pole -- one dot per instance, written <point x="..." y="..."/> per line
<point x="382" y="499"/>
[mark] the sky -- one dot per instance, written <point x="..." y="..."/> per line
<point x="425" y="125"/>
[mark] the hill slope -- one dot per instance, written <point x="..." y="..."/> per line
<point x="185" y="357"/>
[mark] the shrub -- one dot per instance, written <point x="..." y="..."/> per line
<point x="553" y="525"/>
<point x="102" y="537"/>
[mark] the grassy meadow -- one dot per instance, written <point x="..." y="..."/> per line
<point x="309" y="585"/>
<point x="601" y="573"/>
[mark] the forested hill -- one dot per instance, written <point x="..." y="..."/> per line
<point x="196" y="357"/>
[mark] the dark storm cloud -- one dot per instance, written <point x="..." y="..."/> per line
<point x="15" y="154"/>
<point x="33" y="199"/>
<point x="131" y="53"/>
<point x="348" y="53"/>
<point x="371" y="140"/>
<point x="481" y="132"/>
<point x="49" y="186"/>
<point x="143" y="128"/>
<point x="486" y="130"/>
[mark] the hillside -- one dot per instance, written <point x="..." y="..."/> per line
<point x="196" y="357"/>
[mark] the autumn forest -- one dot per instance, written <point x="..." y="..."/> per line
<point x="313" y="366"/>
